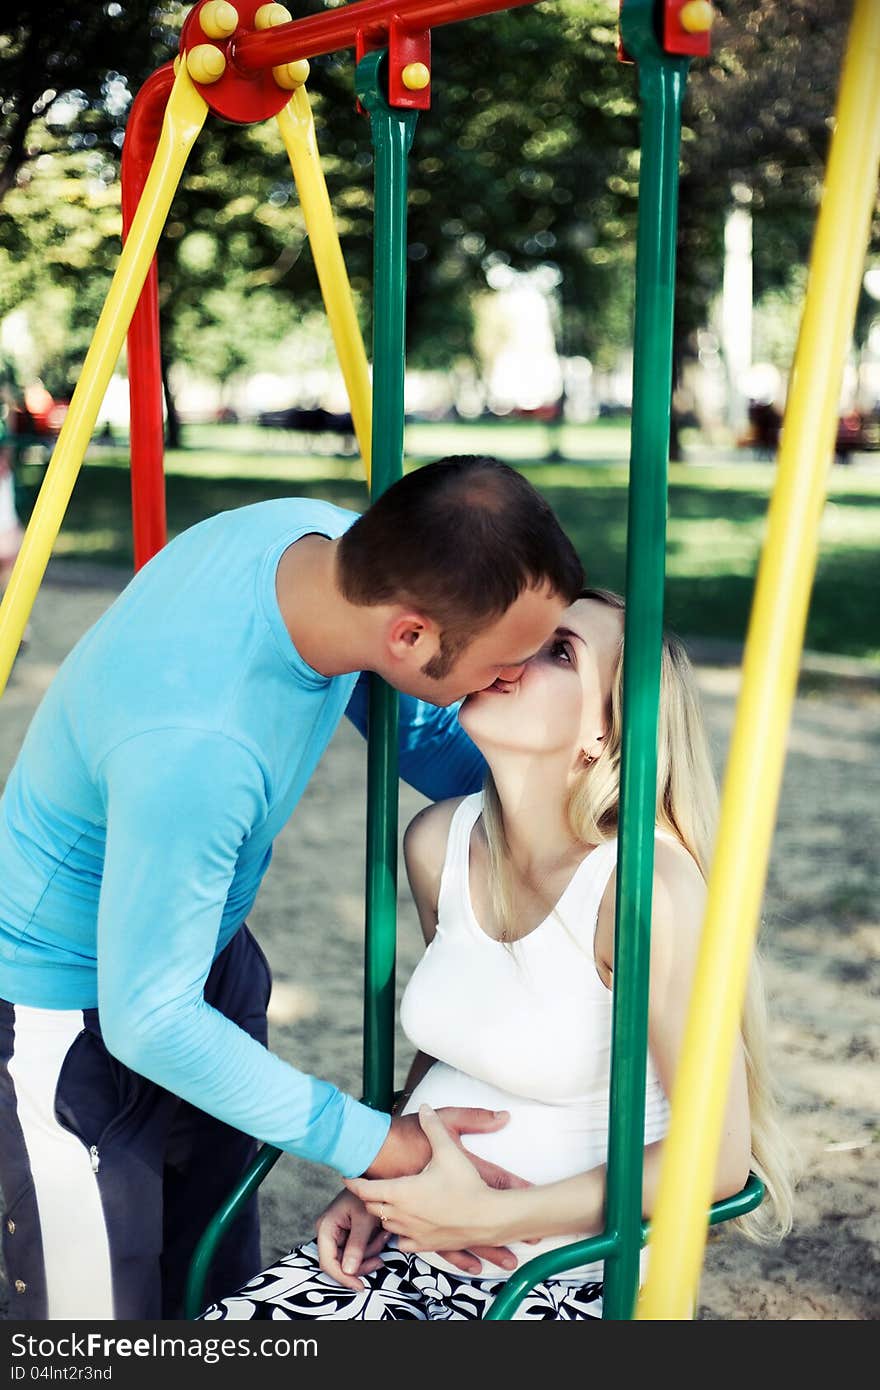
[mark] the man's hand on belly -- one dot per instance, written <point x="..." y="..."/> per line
<point x="406" y="1149"/>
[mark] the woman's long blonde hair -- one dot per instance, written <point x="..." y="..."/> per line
<point x="687" y="807"/>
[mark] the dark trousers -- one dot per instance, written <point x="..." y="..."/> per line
<point x="108" y="1180"/>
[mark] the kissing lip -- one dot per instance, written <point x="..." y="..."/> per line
<point x="498" y="687"/>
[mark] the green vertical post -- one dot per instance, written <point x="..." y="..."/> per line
<point x="661" y="88"/>
<point x="392" y="134"/>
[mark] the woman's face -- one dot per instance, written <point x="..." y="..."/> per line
<point x="560" y="703"/>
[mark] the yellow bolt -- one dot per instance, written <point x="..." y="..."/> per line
<point x="415" y="77"/>
<point x="697" y="16"/>
<point x="218" y="19"/>
<point x="291" y="75"/>
<point x="205" y="63"/>
<point x="268" y="16"/>
<point x="176" y="65"/>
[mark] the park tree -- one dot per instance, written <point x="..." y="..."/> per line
<point x="757" y="122"/>
<point x="501" y="170"/>
<point x="54" y="53"/>
<point x="528" y="156"/>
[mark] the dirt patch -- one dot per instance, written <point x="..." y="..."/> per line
<point x="821" y="941"/>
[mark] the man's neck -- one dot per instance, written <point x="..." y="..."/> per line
<point x="325" y="628"/>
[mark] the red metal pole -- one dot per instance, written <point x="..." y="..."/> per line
<point x="325" y="33"/>
<point x="149" y="526"/>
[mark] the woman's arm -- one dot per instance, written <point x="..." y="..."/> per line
<point x="424" y="850"/>
<point x="348" y="1242"/>
<point x="681" y="908"/>
<point x="678" y="909"/>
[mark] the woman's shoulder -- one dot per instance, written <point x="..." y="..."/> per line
<point x="675" y="869"/>
<point x="677" y="875"/>
<point x="426" y="836"/>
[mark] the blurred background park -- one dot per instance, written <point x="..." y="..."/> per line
<point x="522" y="216"/>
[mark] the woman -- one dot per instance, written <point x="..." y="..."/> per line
<point x="510" y="1007"/>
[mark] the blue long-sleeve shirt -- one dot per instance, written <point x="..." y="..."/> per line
<point x="138" y="820"/>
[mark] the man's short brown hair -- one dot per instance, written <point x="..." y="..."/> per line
<point x="459" y="539"/>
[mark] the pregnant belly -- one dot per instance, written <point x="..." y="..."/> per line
<point x="541" y="1143"/>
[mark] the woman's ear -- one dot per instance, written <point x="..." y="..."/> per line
<point x="594" y="748"/>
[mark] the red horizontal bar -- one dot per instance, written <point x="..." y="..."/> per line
<point x="325" y="33"/>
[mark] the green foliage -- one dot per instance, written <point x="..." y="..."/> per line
<point x="757" y="120"/>
<point x="59" y="61"/>
<point x="529" y="155"/>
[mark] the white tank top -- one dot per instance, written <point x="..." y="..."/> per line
<point x="524" y="1028"/>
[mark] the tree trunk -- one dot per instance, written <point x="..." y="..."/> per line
<point x="172" y="419"/>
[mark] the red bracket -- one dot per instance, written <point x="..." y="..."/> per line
<point x="622" y="55"/>
<point x="676" y="37"/>
<point x="406" y="47"/>
<point x="680" y="39"/>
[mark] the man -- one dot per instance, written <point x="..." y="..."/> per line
<point x="138" y="822"/>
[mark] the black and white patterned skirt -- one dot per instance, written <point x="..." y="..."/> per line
<point x="406" y="1287"/>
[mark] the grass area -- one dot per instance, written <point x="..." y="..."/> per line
<point x="716" y="515"/>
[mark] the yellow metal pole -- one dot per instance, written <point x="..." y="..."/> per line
<point x="770" y="668"/>
<point x="298" y="133"/>
<point x="184" y="117"/>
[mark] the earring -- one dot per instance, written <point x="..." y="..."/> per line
<point x="589" y="758"/>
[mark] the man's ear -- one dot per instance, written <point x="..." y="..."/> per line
<point x="410" y="633"/>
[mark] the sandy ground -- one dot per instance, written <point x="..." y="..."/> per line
<point x="821" y="942"/>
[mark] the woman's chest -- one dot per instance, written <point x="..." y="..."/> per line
<point x="533" y="1019"/>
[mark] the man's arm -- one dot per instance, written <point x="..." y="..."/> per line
<point x="436" y="755"/>
<point x="180" y="804"/>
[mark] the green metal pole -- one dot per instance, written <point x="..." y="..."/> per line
<point x="203" y="1256"/>
<point x="392" y="135"/>
<point x="568" y="1257"/>
<point x="661" y="88"/>
<point x="542" y="1267"/>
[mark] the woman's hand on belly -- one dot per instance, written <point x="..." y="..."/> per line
<point x="447" y="1206"/>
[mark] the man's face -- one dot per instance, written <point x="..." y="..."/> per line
<point x="501" y="650"/>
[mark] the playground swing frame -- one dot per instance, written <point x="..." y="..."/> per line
<point x="390" y="38"/>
